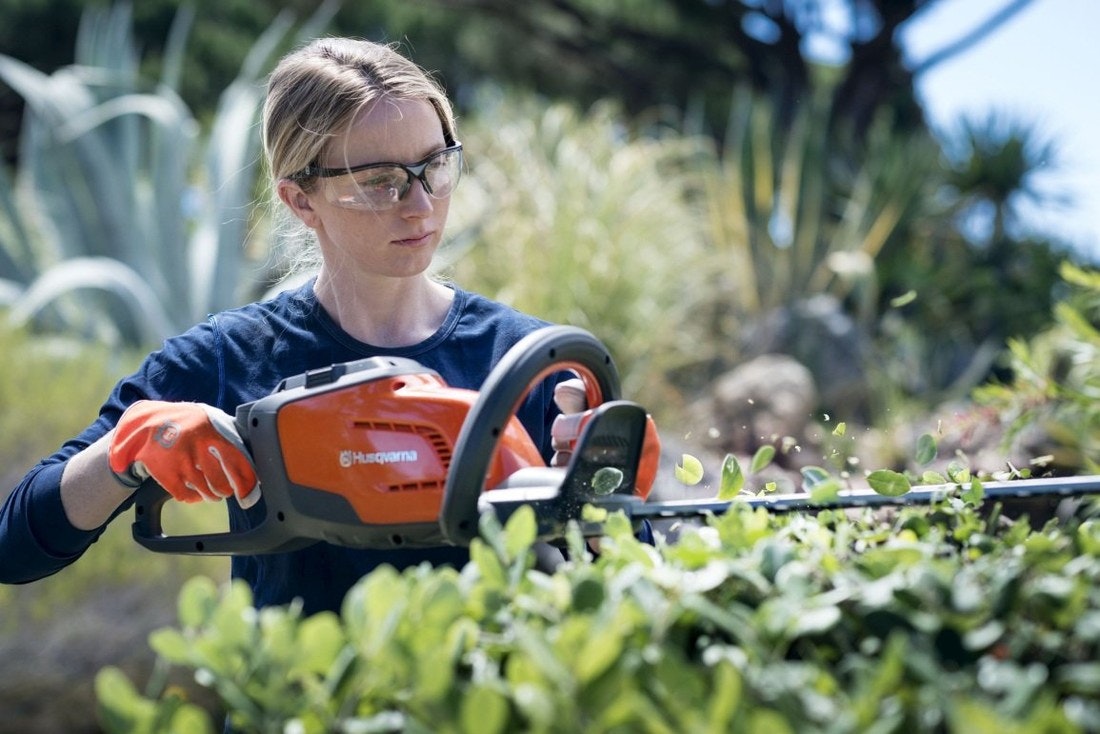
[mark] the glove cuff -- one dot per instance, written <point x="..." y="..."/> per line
<point x="127" y="478"/>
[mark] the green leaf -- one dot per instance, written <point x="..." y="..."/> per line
<point x="197" y="600"/>
<point x="733" y="479"/>
<point x="95" y="273"/>
<point x="487" y="562"/>
<point x="121" y="707"/>
<point x="1078" y="323"/>
<point x="689" y="471"/>
<point x="587" y="594"/>
<point x="170" y="645"/>
<point x="601" y="650"/>
<point x="767" y="721"/>
<point x="958" y="473"/>
<point x="187" y="718"/>
<point x="1076" y="275"/>
<point x="926" y="449"/>
<point x="973" y="715"/>
<point x="1082" y="678"/>
<point x="983" y="637"/>
<point x="840" y="430"/>
<point x="234" y="618"/>
<point x="974" y="493"/>
<point x="825" y="492"/>
<point x="933" y="477"/>
<point x="726" y="698"/>
<point x="888" y="482"/>
<point x="386" y="722"/>
<point x="484" y="711"/>
<point x="762" y="458"/>
<point x="320" y="640"/>
<point x="520" y="531"/>
<point x="815" y="621"/>
<point x="592" y="514"/>
<point x="606" y="480"/>
<point x="813" y="476"/>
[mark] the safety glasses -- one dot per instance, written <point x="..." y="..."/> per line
<point x="379" y="186"/>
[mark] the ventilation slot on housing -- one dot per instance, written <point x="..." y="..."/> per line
<point x="437" y="440"/>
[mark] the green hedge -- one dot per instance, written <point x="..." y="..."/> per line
<point x="944" y="618"/>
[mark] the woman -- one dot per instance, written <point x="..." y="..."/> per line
<point x="362" y="149"/>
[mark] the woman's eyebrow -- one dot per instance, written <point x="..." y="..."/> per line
<point x="431" y="150"/>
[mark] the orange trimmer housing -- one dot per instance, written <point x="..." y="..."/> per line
<point x="384" y="446"/>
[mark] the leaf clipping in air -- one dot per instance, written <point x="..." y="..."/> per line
<point x="888" y="482"/>
<point x="606" y="480"/>
<point x="762" y="458"/>
<point x="733" y="478"/>
<point x="689" y="471"/>
<point x="926" y="449"/>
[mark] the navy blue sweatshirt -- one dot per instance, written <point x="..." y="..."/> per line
<point x="239" y="356"/>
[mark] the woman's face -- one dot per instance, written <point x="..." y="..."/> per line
<point x="395" y="242"/>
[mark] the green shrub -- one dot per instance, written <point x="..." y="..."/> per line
<point x="1055" y="384"/>
<point x="925" y="619"/>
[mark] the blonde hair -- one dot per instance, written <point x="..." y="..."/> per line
<point x="315" y="93"/>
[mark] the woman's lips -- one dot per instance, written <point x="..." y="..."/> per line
<point x="416" y="241"/>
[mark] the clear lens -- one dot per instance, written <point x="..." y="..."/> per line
<point x="377" y="188"/>
<point x="380" y="186"/>
<point x="442" y="173"/>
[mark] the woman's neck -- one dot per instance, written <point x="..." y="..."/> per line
<point x="386" y="312"/>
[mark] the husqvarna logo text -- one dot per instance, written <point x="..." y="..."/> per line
<point x="349" y="458"/>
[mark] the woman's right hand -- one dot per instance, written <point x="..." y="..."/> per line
<point x="193" y="450"/>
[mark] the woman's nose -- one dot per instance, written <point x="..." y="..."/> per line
<point x="417" y="201"/>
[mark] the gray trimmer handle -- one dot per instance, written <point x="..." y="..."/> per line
<point x="538" y="355"/>
<point x="147" y="529"/>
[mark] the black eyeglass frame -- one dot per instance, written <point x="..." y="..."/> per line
<point x="414" y="171"/>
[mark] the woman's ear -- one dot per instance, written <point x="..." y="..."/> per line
<point x="291" y="194"/>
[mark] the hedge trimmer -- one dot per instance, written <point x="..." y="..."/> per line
<point x="381" y="453"/>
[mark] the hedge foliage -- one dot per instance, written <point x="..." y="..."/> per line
<point x="920" y="619"/>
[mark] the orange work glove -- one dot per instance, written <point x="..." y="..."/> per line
<point x="570" y="397"/>
<point x="191" y="449"/>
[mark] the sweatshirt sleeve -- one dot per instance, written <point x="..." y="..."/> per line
<point x="36" y="537"/>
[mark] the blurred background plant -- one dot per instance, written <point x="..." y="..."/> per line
<point x="579" y="219"/>
<point x="56" y="633"/>
<point x="1054" y="387"/>
<point x="126" y="222"/>
<point x="798" y="225"/>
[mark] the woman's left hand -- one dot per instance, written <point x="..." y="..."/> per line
<point x="570" y="397"/>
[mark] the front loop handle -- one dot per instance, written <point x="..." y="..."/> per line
<point x="539" y="354"/>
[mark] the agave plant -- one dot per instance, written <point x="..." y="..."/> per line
<point x="123" y="221"/>
<point x="800" y="221"/>
<point x="794" y="216"/>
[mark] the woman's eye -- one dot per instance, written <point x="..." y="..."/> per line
<point x="379" y="182"/>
